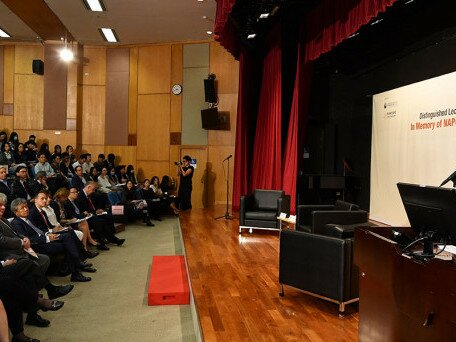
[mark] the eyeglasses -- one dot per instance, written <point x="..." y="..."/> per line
<point x="22" y="208"/>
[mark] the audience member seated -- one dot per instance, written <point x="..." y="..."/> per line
<point x="80" y="162"/>
<point x="87" y="205"/>
<point x="133" y="205"/>
<point x="38" y="229"/>
<point x="31" y="139"/>
<point x="32" y="153"/>
<point x="21" y="186"/>
<point x="70" y="150"/>
<point x="101" y="162"/>
<point x="7" y="158"/>
<point x="57" y="151"/>
<point x="121" y="174"/>
<point x="78" y="181"/>
<point x="20" y="157"/>
<point x="44" y="149"/>
<point x="111" y="161"/>
<point x="165" y="200"/>
<point x="65" y="166"/>
<point x="131" y="174"/>
<point x="3" y="138"/>
<point x="87" y="164"/>
<point x="14" y="141"/>
<point x="43" y="165"/>
<point x="65" y="217"/>
<point x="5" y="188"/>
<point x="39" y="183"/>
<point x="93" y="174"/>
<point x="104" y="182"/>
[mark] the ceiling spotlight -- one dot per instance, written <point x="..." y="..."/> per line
<point x="251" y="36"/>
<point x="109" y="35"/>
<point x="4" y="34"/>
<point x="408" y="2"/>
<point x="94" y="5"/>
<point x="264" y="15"/>
<point x="209" y="32"/>
<point x="66" y="55"/>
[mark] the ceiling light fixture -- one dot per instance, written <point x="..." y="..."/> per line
<point x="109" y="35"/>
<point x="408" y="2"/>
<point x="94" y="5"/>
<point x="4" y="34"/>
<point x="264" y="15"/>
<point x="251" y="36"/>
<point x="353" y="35"/>
<point x="66" y="54"/>
<point x="209" y="32"/>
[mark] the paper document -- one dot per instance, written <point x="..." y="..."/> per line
<point x="449" y="248"/>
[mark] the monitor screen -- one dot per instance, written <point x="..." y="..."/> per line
<point x="430" y="208"/>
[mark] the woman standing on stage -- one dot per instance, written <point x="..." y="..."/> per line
<point x="185" y="171"/>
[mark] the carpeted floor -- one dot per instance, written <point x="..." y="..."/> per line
<point x="113" y="306"/>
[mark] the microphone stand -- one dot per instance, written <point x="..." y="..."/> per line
<point x="227" y="215"/>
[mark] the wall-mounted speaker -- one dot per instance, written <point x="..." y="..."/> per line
<point x="38" y="67"/>
<point x="210" y="95"/>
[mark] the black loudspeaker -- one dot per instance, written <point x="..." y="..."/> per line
<point x="38" y="67"/>
<point x="209" y="91"/>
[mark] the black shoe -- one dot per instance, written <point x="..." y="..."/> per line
<point x="119" y="242"/>
<point x="90" y="255"/>
<point x="102" y="247"/>
<point x="79" y="277"/>
<point x="21" y="337"/>
<point x="88" y="269"/>
<point x="85" y="264"/>
<point x="36" y="320"/>
<point x="50" y="305"/>
<point x="150" y="224"/>
<point x="59" y="291"/>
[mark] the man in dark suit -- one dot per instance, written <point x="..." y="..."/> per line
<point x="5" y="188"/>
<point x="21" y="186"/>
<point x="29" y="268"/>
<point x="46" y="242"/>
<point x="85" y="204"/>
<point x="78" y="181"/>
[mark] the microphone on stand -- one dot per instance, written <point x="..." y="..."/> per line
<point x="227" y="157"/>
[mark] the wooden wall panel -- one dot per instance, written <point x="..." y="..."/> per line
<point x="133" y="91"/>
<point x="226" y="68"/>
<point x="227" y="103"/>
<point x="94" y="66"/>
<point x="176" y="78"/>
<point x="28" y="102"/>
<point x="1" y="78"/>
<point x="174" y="156"/>
<point x="8" y="74"/>
<point x="93" y="115"/>
<point x="154" y="69"/>
<point x="24" y="56"/>
<point x="94" y="150"/>
<point x="148" y="169"/>
<point x="153" y="127"/>
<point x="216" y="173"/>
<point x="6" y="123"/>
<point x="125" y="154"/>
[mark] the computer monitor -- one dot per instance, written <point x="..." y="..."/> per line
<point x="429" y="209"/>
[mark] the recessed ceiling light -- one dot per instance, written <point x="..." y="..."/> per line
<point x="94" y="5"/>
<point x="109" y="35"/>
<point x="264" y="15"/>
<point x="4" y="34"/>
<point x="251" y="36"/>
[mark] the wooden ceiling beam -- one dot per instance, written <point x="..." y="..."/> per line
<point x="37" y="15"/>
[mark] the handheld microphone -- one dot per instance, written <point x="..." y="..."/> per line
<point x="227" y="157"/>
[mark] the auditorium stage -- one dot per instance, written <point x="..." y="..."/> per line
<point x="234" y="278"/>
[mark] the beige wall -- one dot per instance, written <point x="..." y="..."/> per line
<point x="152" y="112"/>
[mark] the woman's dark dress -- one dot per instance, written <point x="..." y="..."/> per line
<point x="185" y="189"/>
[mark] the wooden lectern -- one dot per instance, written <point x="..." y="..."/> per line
<point x="402" y="299"/>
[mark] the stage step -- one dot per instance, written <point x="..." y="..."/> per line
<point x="168" y="284"/>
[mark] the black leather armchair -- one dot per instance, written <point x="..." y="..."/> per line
<point x="313" y="218"/>
<point x="320" y="264"/>
<point x="260" y="209"/>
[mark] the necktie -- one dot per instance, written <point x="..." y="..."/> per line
<point x="44" y="219"/>
<point x="26" y="190"/>
<point x="35" y="228"/>
<point x="92" y="207"/>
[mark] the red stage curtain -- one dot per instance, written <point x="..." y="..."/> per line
<point x="267" y="150"/>
<point x="333" y="21"/>
<point x="245" y="108"/>
<point x="296" y="127"/>
<point x="224" y="31"/>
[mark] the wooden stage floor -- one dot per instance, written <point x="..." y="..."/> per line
<point x="235" y="284"/>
